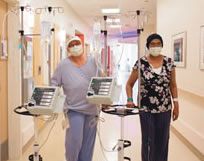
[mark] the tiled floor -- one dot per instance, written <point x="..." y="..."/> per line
<point x="109" y="132"/>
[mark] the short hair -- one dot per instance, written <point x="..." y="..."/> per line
<point x="152" y="37"/>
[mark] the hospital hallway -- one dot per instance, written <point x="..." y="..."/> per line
<point x="58" y="55"/>
<point x="107" y="136"/>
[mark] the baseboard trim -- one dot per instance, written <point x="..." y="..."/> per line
<point x="188" y="144"/>
<point x="4" y="151"/>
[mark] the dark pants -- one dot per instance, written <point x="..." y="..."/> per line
<point x="155" y="135"/>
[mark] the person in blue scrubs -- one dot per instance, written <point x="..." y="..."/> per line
<point x="74" y="74"/>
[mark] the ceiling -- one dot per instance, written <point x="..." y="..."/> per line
<point x="90" y="12"/>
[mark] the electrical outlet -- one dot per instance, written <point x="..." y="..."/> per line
<point x="4" y="48"/>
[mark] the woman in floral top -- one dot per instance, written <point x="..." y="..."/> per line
<point x="158" y="85"/>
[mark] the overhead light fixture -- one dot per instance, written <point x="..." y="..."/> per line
<point x="110" y="11"/>
<point x="115" y="26"/>
<point x="115" y="20"/>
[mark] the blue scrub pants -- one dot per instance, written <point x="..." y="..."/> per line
<point x="80" y="137"/>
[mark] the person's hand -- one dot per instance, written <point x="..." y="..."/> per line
<point x="130" y="104"/>
<point x="175" y="111"/>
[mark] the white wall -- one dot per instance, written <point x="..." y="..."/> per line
<point x="14" y="88"/>
<point x="173" y="17"/>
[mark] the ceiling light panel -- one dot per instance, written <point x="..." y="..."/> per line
<point x="110" y="11"/>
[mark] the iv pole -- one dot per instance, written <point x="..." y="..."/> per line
<point x="22" y="56"/>
<point x="105" y="44"/>
<point x="22" y="34"/>
<point x="35" y="156"/>
<point x="139" y="82"/>
<point x="138" y="58"/>
<point x="122" y="144"/>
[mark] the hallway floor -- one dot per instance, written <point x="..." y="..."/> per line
<point x="109" y="132"/>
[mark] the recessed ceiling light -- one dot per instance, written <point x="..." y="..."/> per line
<point x="110" y="11"/>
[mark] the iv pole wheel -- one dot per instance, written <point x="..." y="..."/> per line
<point x="31" y="158"/>
<point x="127" y="158"/>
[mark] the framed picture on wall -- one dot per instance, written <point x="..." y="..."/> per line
<point x="202" y="47"/>
<point x="179" y="49"/>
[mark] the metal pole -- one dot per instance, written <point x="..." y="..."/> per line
<point x="121" y="140"/>
<point x="50" y="53"/>
<point x="36" y="145"/>
<point x="49" y="60"/>
<point x="139" y="76"/>
<point x="105" y="44"/>
<point x="122" y="128"/>
<point x="139" y="63"/>
<point x="22" y="57"/>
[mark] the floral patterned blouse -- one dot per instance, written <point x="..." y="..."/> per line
<point x="155" y="88"/>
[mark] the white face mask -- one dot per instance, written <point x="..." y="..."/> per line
<point x="76" y="50"/>
<point x="155" y="51"/>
